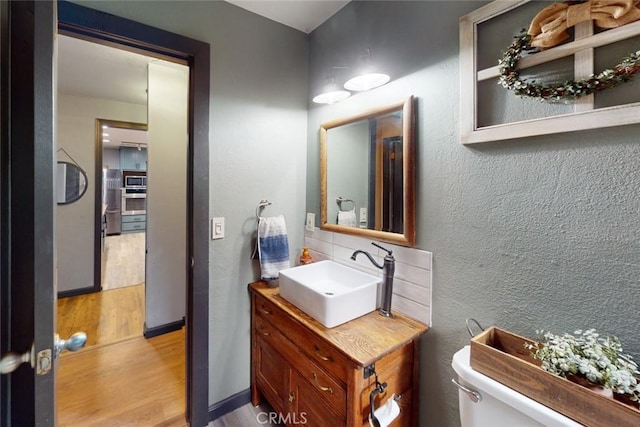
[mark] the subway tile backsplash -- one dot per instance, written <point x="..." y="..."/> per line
<point x="412" y="280"/>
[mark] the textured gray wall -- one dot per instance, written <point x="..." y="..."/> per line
<point x="536" y="233"/>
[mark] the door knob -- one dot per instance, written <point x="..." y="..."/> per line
<point x="73" y="343"/>
<point x="12" y="360"/>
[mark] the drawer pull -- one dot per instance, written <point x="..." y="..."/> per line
<point x="265" y="311"/>
<point x="325" y="358"/>
<point x="264" y="333"/>
<point x="327" y="389"/>
<point x="292" y="397"/>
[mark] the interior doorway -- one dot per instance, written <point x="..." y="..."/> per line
<point x="114" y="315"/>
<point x="99" y="27"/>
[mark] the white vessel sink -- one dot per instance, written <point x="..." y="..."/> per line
<point x="329" y="292"/>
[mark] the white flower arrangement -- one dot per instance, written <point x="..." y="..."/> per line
<point x="586" y="354"/>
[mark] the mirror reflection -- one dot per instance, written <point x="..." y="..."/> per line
<point x="367" y="166"/>
<point x="71" y="182"/>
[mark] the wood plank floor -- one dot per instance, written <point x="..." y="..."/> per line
<point x="135" y="382"/>
<point x="120" y="378"/>
<point x="106" y="317"/>
<point x="124" y="260"/>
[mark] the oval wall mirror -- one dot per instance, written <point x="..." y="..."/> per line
<point x="71" y="182"/>
<point x="367" y="174"/>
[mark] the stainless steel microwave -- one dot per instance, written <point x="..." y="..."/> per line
<point x="135" y="181"/>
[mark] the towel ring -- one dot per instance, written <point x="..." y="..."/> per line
<point x="340" y="200"/>
<point x="261" y="205"/>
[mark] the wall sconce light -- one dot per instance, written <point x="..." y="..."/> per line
<point x="367" y="78"/>
<point x="332" y="93"/>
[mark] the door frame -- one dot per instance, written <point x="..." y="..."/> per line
<point x="100" y="27"/>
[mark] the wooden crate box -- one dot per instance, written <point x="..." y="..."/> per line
<point x="502" y="356"/>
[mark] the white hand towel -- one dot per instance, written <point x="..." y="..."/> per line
<point x="347" y="218"/>
<point x="273" y="246"/>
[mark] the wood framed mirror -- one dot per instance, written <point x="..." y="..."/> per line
<point x="367" y="174"/>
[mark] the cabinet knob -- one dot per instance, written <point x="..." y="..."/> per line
<point x="292" y="397"/>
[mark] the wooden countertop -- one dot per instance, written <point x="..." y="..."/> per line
<point x="362" y="340"/>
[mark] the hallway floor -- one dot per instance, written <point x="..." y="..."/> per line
<point x="106" y="317"/>
<point x="123" y="260"/>
<point x="135" y="382"/>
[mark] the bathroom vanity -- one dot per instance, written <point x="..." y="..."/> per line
<point x="323" y="376"/>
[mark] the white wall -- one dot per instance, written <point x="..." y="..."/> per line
<point x="75" y="222"/>
<point x="166" y="260"/>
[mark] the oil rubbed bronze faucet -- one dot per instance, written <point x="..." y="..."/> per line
<point x="388" y="270"/>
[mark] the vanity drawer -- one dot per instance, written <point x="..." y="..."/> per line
<point x="331" y="390"/>
<point x="316" y="410"/>
<point x="326" y="356"/>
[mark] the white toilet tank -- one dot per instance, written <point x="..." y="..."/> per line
<point x="499" y="405"/>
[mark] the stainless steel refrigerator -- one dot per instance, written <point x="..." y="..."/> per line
<point x="112" y="197"/>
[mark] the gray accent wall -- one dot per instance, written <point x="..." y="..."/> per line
<point x="347" y="168"/>
<point x="527" y="234"/>
<point x="258" y="137"/>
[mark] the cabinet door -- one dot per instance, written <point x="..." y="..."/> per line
<point x="312" y="410"/>
<point x="142" y="157"/>
<point x="272" y="375"/>
<point x="133" y="159"/>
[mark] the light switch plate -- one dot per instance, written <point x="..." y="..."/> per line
<point x="311" y="221"/>
<point x="217" y="228"/>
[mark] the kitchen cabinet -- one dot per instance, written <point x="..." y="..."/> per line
<point x="133" y="223"/>
<point x="321" y="376"/>
<point x="133" y="159"/>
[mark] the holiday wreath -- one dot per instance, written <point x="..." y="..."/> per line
<point x="548" y="29"/>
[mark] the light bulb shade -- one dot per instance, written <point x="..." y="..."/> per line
<point x="366" y="81"/>
<point x="331" y="97"/>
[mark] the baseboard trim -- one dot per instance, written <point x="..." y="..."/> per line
<point x="162" y="329"/>
<point x="76" y="292"/>
<point x="229" y="404"/>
